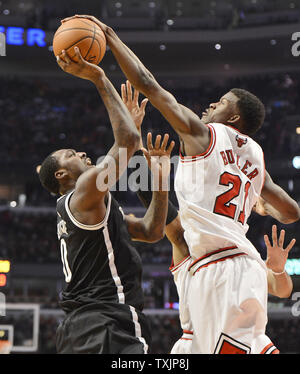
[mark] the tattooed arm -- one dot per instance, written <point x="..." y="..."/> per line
<point x="187" y="124"/>
<point x="151" y="227"/>
<point x="87" y="202"/>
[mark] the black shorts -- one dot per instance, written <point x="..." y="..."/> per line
<point x="106" y="328"/>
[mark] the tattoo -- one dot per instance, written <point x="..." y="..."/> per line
<point x="123" y="126"/>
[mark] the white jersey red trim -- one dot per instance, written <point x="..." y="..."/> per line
<point x="221" y="254"/>
<point x="270" y="349"/>
<point x="216" y="191"/>
<point x="205" y="154"/>
<point x="187" y="335"/>
<point x="174" y="268"/>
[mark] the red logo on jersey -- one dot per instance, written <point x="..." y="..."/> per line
<point x="240" y="141"/>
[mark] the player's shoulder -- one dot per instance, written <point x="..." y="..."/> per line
<point x="239" y="139"/>
<point x="61" y="201"/>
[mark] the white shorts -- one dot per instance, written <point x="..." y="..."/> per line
<point x="227" y="302"/>
<point x="182" y="278"/>
<point x="183" y="346"/>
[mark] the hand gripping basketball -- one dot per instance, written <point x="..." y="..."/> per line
<point x="82" y="33"/>
<point x="102" y="25"/>
<point x="81" y="69"/>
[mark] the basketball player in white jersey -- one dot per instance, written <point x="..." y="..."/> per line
<point x="227" y="295"/>
<point x="279" y="282"/>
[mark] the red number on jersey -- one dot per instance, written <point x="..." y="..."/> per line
<point x="223" y="205"/>
<point x="242" y="214"/>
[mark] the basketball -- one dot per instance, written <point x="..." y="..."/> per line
<point x="84" y="34"/>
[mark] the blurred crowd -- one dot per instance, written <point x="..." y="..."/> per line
<point x="165" y="328"/>
<point x="32" y="238"/>
<point x="284" y="333"/>
<point x="37" y="120"/>
<point x="156" y="14"/>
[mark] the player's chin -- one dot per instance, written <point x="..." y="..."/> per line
<point x="205" y="119"/>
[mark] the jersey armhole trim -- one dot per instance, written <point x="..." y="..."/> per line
<point x="173" y="267"/>
<point x="201" y="156"/>
<point x="82" y="225"/>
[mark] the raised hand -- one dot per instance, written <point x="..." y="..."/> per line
<point x="276" y="254"/>
<point x="131" y="100"/>
<point x="81" y="69"/>
<point x="158" y="158"/>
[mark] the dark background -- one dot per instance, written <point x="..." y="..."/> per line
<point x="43" y="109"/>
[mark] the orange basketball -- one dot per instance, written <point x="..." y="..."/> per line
<point x="84" y="34"/>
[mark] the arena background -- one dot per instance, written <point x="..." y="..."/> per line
<point x="196" y="49"/>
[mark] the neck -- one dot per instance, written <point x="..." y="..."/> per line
<point x="66" y="189"/>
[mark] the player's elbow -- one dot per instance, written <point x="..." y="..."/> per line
<point x="296" y="215"/>
<point x="281" y="293"/>
<point x="130" y="141"/>
<point x="292" y="215"/>
<point x="285" y="294"/>
<point x="159" y="235"/>
<point x="155" y="234"/>
<point x="134" y="142"/>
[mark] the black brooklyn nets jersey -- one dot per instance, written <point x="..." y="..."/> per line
<point x="99" y="262"/>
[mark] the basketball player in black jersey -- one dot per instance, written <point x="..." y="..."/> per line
<point x="103" y="298"/>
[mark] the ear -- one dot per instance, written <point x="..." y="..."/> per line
<point x="234" y="119"/>
<point x="61" y="174"/>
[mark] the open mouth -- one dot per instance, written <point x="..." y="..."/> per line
<point x="205" y="113"/>
<point x="88" y="161"/>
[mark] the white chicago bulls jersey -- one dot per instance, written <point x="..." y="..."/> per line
<point x="217" y="190"/>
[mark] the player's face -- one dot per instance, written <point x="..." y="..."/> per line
<point x="75" y="163"/>
<point x="222" y="111"/>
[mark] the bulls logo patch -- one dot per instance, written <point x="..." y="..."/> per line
<point x="240" y="141"/>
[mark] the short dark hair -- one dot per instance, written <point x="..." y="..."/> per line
<point x="252" y="110"/>
<point x="47" y="174"/>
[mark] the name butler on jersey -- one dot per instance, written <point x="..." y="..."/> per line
<point x="231" y="174"/>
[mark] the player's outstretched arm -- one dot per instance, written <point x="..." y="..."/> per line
<point x="277" y="203"/>
<point x="186" y="123"/>
<point x="279" y="282"/>
<point x="92" y="185"/>
<point x="151" y="227"/>
<point x="173" y="229"/>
